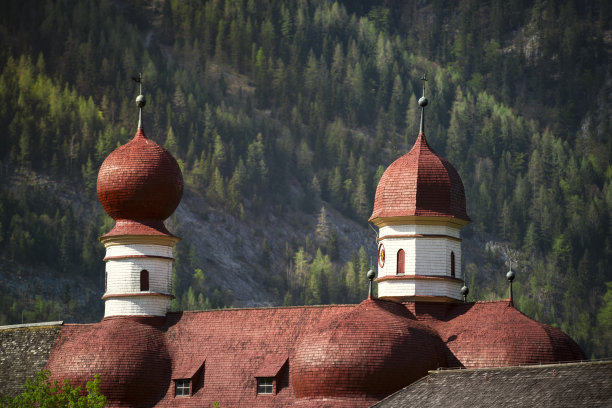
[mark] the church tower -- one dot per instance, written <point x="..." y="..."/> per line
<point x="419" y="209"/>
<point x="139" y="185"/>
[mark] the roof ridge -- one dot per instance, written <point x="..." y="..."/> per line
<point x="26" y="325"/>
<point x="440" y="370"/>
<point x="236" y="309"/>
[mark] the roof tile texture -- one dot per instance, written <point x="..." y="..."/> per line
<point x="373" y="350"/>
<point x="420" y="183"/>
<point x="559" y="385"/>
<point x="130" y="356"/>
<point x="493" y="334"/>
<point x="338" y="356"/>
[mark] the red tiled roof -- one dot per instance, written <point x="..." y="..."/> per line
<point x="420" y="183"/>
<point x="353" y="353"/>
<point x="186" y="368"/>
<point x="139" y="227"/>
<point x="271" y="366"/>
<point x="130" y="357"/>
<point x="140" y="181"/>
<point x="235" y="343"/>
<point x="495" y="334"/>
<point x="374" y="350"/>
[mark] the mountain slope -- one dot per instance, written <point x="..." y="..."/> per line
<point x="276" y="111"/>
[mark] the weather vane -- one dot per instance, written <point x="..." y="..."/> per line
<point x="138" y="79"/>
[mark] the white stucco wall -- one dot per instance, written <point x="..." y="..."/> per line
<point x="400" y="288"/>
<point x="137" y="306"/>
<point x="123" y="266"/>
<point x="138" y="249"/>
<point x="428" y="252"/>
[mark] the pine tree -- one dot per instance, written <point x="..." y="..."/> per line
<point x="359" y="200"/>
<point x="237" y="185"/>
<point x="89" y="175"/>
<point x="219" y="155"/>
<point x="301" y="270"/>
<point x="256" y="164"/>
<point x="335" y="188"/>
<point x="304" y="160"/>
<point x="216" y="188"/>
<point x="171" y="144"/>
<point x="322" y="229"/>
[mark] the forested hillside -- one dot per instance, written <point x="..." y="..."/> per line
<point x="283" y="116"/>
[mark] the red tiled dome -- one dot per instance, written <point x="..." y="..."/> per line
<point x="495" y="334"/>
<point x="129" y="356"/>
<point x="140" y="185"/>
<point x="420" y="183"/>
<point x="371" y="351"/>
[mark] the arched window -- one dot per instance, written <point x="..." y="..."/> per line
<point x="144" y="280"/>
<point x="452" y="263"/>
<point x="401" y="261"/>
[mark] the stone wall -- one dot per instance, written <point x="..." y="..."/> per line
<point x="24" y="350"/>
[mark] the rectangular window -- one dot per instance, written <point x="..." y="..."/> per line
<point x="264" y="385"/>
<point x="181" y="388"/>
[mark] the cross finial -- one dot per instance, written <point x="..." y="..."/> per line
<point x="138" y="79"/>
<point x="424" y="79"/>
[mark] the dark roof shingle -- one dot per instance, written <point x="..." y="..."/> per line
<point x="587" y="384"/>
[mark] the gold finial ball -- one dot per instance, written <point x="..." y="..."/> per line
<point x="141" y="101"/>
<point x="423" y="102"/>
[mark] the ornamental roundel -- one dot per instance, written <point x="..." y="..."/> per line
<point x="381" y="255"/>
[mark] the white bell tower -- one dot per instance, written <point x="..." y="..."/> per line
<point x="138" y="277"/>
<point x="139" y="185"/>
<point x="419" y="209"/>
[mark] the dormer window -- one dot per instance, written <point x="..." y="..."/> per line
<point x="452" y="264"/>
<point x="188" y="377"/>
<point x="269" y="375"/>
<point x="144" y="280"/>
<point x="182" y="388"/>
<point x="265" y="385"/>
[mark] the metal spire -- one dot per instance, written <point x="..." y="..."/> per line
<point x="464" y="289"/>
<point x="510" y="277"/>
<point x="423" y="103"/>
<point x="140" y="99"/>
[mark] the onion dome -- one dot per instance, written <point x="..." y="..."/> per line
<point x="495" y="334"/>
<point x="140" y="185"/>
<point x="369" y="352"/>
<point x="129" y="356"/>
<point x="420" y="183"/>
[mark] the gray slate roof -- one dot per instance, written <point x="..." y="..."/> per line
<point x="24" y="350"/>
<point x="587" y="384"/>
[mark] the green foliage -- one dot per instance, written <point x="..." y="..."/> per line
<point x="42" y="392"/>
<point x="302" y="104"/>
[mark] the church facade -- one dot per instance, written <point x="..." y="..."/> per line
<point x="310" y="356"/>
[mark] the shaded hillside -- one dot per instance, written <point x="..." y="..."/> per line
<point x="278" y="110"/>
